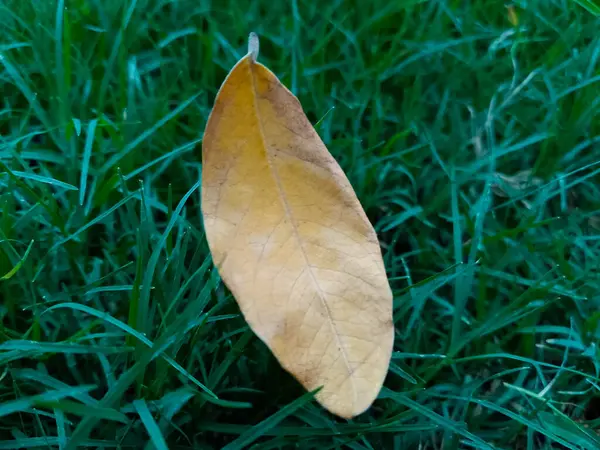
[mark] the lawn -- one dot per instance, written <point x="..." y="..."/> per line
<point x="470" y="131"/>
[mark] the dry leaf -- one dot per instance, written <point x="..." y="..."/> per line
<point x="519" y="182"/>
<point x="292" y="242"/>
<point x="513" y="17"/>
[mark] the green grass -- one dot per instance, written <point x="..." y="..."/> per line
<point x="473" y="145"/>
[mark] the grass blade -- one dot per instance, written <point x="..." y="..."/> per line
<point x="269" y="423"/>
<point x="179" y="150"/>
<point x="93" y="222"/>
<point x="60" y="347"/>
<point x="45" y="180"/>
<point x="151" y="426"/>
<point x="17" y="266"/>
<point x="108" y="318"/>
<point x="590" y="5"/>
<point x="87" y="154"/>
<point x="27" y="402"/>
<point x="436" y="418"/>
<point x="146" y="134"/>
<point x="79" y="409"/>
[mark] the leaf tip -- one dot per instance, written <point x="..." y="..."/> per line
<point x="253" y="46"/>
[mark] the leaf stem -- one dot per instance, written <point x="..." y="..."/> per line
<point x="253" y="46"/>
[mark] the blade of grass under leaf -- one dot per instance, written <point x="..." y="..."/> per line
<point x="108" y="318"/>
<point x="60" y="347"/>
<point x="87" y="154"/>
<point x="591" y="5"/>
<point x="146" y="134"/>
<point x="533" y="424"/>
<point x="25" y="403"/>
<point x="43" y="179"/>
<point x="80" y="409"/>
<point x="46" y="380"/>
<point x="85" y="427"/>
<point x="93" y="222"/>
<point x="151" y="426"/>
<point x="259" y="430"/>
<point x="144" y="298"/>
<point x="17" y="266"/>
<point x="49" y="441"/>
<point x="179" y="150"/>
<point x="442" y="421"/>
<point x="31" y="97"/>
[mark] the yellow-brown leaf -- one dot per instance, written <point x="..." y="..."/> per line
<point x="292" y="242"/>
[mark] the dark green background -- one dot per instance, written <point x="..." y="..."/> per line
<point x="471" y="141"/>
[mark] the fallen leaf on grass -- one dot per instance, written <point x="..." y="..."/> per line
<point x="292" y="242"/>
